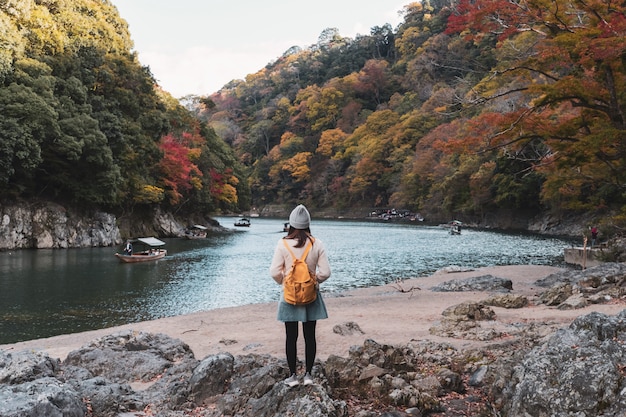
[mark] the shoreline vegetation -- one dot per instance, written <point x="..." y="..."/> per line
<point x="395" y="313"/>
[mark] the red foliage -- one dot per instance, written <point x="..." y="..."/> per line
<point x="176" y="165"/>
<point x="499" y="17"/>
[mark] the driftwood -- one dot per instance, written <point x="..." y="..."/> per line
<point x="398" y="286"/>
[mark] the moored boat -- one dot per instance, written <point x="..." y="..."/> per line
<point x="242" y="222"/>
<point x="197" y="231"/>
<point x="152" y="251"/>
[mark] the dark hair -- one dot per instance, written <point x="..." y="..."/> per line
<point x="300" y="234"/>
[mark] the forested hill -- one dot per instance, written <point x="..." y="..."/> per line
<point x="83" y="123"/>
<point x="466" y="107"/>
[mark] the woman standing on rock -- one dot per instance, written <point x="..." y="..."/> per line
<point x="297" y="242"/>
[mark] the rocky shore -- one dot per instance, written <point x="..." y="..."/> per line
<point x="506" y="341"/>
<point x="48" y="225"/>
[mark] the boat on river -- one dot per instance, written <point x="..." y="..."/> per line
<point x="242" y="222"/>
<point x="455" y="227"/>
<point x="151" y="250"/>
<point x="197" y="231"/>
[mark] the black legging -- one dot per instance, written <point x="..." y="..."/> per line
<point x="310" y="349"/>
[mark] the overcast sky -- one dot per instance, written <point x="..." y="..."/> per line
<point x="197" y="46"/>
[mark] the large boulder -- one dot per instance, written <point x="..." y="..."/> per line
<point x="481" y="283"/>
<point x="43" y="397"/>
<point x="579" y="371"/>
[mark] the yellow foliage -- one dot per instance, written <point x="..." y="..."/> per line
<point x="358" y="185"/>
<point x="330" y="141"/>
<point x="298" y="166"/>
<point x="194" y="154"/>
<point x="228" y="194"/>
<point x="196" y="183"/>
<point x="149" y="194"/>
<point x="286" y="138"/>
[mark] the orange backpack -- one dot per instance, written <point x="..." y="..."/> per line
<point x="300" y="285"/>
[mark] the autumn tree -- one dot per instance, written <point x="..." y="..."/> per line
<point x="561" y="64"/>
<point x="83" y="122"/>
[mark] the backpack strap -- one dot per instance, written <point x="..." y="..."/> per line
<point x="306" y="251"/>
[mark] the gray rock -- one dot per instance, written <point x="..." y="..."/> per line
<point x="507" y="301"/>
<point x="371" y="371"/>
<point x="575" y="371"/>
<point x="43" y="397"/>
<point x="610" y="272"/>
<point x="481" y="283"/>
<point x="128" y="356"/>
<point x="211" y="376"/>
<point x="556" y="294"/>
<point x="574" y="302"/>
<point x="578" y="371"/>
<point x="450" y="381"/>
<point x="462" y="321"/>
<point x="468" y="311"/>
<point x="347" y="329"/>
<point x="107" y="399"/>
<point x="25" y="366"/>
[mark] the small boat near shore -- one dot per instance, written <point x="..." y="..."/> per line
<point x="152" y="251"/>
<point x="242" y="222"/>
<point x="197" y="231"/>
<point x="455" y="227"/>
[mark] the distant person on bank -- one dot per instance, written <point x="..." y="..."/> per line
<point x="297" y="238"/>
<point x="594" y="236"/>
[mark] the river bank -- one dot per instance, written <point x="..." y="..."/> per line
<point x="458" y="342"/>
<point x="394" y="313"/>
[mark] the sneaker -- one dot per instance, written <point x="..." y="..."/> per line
<point x="308" y="379"/>
<point x="292" y="381"/>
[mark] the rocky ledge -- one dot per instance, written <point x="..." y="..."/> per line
<point x="525" y="370"/>
<point x="47" y="225"/>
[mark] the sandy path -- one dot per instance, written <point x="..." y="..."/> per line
<point x="385" y="314"/>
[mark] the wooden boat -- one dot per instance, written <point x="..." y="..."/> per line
<point x="242" y="222"/>
<point x="151" y="253"/>
<point x="455" y="227"/>
<point x="196" y="231"/>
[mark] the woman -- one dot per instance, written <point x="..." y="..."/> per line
<point x="297" y="239"/>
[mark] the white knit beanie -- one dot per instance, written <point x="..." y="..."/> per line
<point x="300" y="218"/>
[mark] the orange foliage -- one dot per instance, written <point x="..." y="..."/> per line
<point x="297" y="166"/>
<point x="330" y="141"/>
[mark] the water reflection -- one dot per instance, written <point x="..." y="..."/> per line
<point x="49" y="292"/>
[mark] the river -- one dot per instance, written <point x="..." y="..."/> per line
<point x="58" y="291"/>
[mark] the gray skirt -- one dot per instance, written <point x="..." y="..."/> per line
<point x="309" y="312"/>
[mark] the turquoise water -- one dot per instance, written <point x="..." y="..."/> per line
<point x="50" y="292"/>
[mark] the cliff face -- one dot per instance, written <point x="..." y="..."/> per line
<point x="46" y="225"/>
<point x="49" y="225"/>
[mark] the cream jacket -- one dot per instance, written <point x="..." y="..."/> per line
<point x="316" y="260"/>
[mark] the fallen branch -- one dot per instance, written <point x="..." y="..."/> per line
<point x="398" y="286"/>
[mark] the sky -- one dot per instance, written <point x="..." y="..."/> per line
<point x="198" y="46"/>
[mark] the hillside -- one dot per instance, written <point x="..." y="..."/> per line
<point x="467" y="109"/>
<point x="84" y="124"/>
<point x="477" y="110"/>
